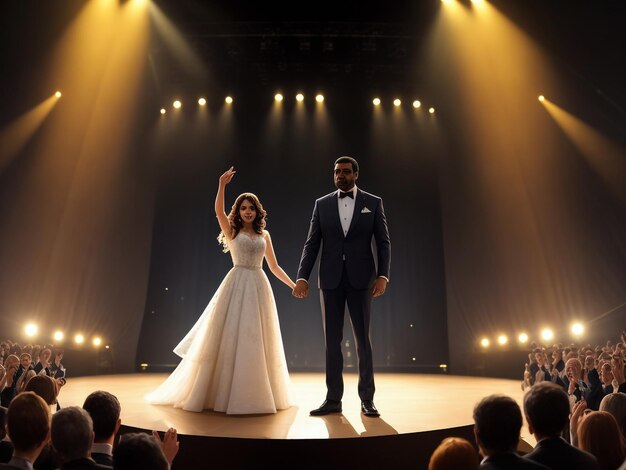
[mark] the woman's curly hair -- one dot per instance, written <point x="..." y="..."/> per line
<point x="236" y="223"/>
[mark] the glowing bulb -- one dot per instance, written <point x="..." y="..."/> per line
<point x="97" y="341"/>
<point x="376" y="101"/>
<point x="502" y="340"/>
<point x="79" y="339"/>
<point x="484" y="343"/>
<point x="541" y="98"/>
<point x="58" y="94"/>
<point x="177" y="104"/>
<point x="417" y="104"/>
<point x="58" y="335"/>
<point x="163" y="111"/>
<point x="300" y="97"/>
<point x="523" y="338"/>
<point x="30" y="330"/>
<point x="228" y="99"/>
<point x="201" y="101"/>
<point x="278" y="97"/>
<point x="431" y="110"/>
<point x="578" y="329"/>
<point x="397" y="102"/>
<point x="319" y="98"/>
<point x="547" y="334"/>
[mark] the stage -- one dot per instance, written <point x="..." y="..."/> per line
<point x="417" y="412"/>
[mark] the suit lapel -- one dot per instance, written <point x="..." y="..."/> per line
<point x="359" y="204"/>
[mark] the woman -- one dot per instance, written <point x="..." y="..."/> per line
<point x="233" y="358"/>
<point x="599" y="434"/>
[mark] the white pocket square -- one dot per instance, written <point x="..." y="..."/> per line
<point x="365" y="210"/>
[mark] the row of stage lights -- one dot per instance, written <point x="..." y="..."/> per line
<point x="31" y="330"/>
<point x="547" y="334"/>
<point x="279" y="98"/>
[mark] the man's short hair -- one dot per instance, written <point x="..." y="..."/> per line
<point x="139" y="450"/>
<point x="547" y="407"/>
<point x="105" y="410"/>
<point x="498" y="421"/>
<point x="345" y="159"/>
<point x="28" y="421"/>
<point x="72" y="433"/>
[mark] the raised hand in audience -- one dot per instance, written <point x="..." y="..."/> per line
<point x="169" y="444"/>
<point x="577" y="413"/>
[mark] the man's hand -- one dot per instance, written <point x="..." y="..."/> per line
<point x="301" y="290"/>
<point x="169" y="444"/>
<point x="380" y="285"/>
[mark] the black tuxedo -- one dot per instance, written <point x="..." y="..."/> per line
<point x="347" y="272"/>
<point x="510" y="461"/>
<point x="557" y="454"/>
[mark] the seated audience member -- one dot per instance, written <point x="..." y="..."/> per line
<point x="6" y="448"/>
<point x="28" y="426"/>
<point x="615" y="403"/>
<point x="104" y="409"/>
<point x="454" y="453"/>
<point x="606" y="377"/>
<point x="497" y="425"/>
<point x="599" y="435"/>
<point x="57" y="370"/>
<point x="72" y="437"/>
<point x="43" y="363"/>
<point x="9" y="391"/>
<point x="46" y="387"/>
<point x="139" y="450"/>
<point x="539" y="369"/>
<point x="577" y="389"/>
<point x="546" y="407"/>
<point x="617" y="367"/>
<point x="20" y="375"/>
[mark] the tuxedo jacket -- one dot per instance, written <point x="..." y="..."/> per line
<point x="510" y="461"/>
<point x="559" y="455"/>
<point x="354" y="251"/>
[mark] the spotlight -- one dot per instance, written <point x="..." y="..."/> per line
<point x="300" y="97"/>
<point x="578" y="329"/>
<point x="58" y="335"/>
<point x="97" y="341"/>
<point x="376" y="101"/>
<point x="79" y="339"/>
<point x="58" y="94"/>
<point x="484" y="343"/>
<point x="228" y="99"/>
<point x="201" y="101"/>
<point x="416" y="104"/>
<point x="319" y="98"/>
<point x="31" y="330"/>
<point x="177" y="104"/>
<point x="397" y="102"/>
<point x="541" y="98"/>
<point x="278" y="97"/>
<point x="547" y="334"/>
<point x="502" y="340"/>
<point x="163" y="111"/>
<point x="523" y="338"/>
<point x="431" y="110"/>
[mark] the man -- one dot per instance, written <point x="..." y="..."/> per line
<point x="344" y="223"/>
<point x="546" y="407"/>
<point x="104" y="409"/>
<point x="497" y="425"/>
<point x="577" y="389"/>
<point x="28" y="426"/>
<point x="139" y="450"/>
<point x="72" y="437"/>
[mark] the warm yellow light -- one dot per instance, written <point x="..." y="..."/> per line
<point x="97" y="341"/>
<point x="523" y="338"/>
<point x="58" y="335"/>
<point x="201" y="101"/>
<point x="502" y="340"/>
<point x="278" y="97"/>
<point x="578" y="329"/>
<point x="58" y="94"/>
<point x="397" y="102"/>
<point x="431" y="110"/>
<point x="376" y="101"/>
<point x="228" y="99"/>
<point x="79" y="339"/>
<point x="177" y="104"/>
<point x="547" y="334"/>
<point x="319" y="98"/>
<point x="300" y="97"/>
<point x="484" y="343"/>
<point x="163" y="111"/>
<point x="417" y="104"/>
<point x="541" y="98"/>
<point x="31" y="330"/>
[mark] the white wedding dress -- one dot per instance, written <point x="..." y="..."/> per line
<point x="233" y="359"/>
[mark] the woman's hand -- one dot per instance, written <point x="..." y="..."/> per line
<point x="227" y="176"/>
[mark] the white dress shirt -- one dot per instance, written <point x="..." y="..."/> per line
<point x="346" y="209"/>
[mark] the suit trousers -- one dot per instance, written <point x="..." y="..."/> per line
<point x="359" y="302"/>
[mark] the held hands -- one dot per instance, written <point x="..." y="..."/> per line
<point x="227" y="176"/>
<point x="380" y="285"/>
<point x="301" y="290"/>
<point x="169" y="444"/>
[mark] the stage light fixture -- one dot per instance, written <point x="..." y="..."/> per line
<point x="484" y="342"/>
<point x="31" y="330"/>
<point x="278" y="97"/>
<point x="547" y="334"/>
<point x="300" y="97"/>
<point x="397" y="102"/>
<point x="319" y="98"/>
<point x="97" y="341"/>
<point x="541" y="98"/>
<point x="376" y="101"/>
<point x="58" y="335"/>
<point x="578" y="329"/>
<point x="228" y="100"/>
<point x="58" y="94"/>
<point x="417" y="104"/>
<point x="523" y="338"/>
<point x="79" y="339"/>
<point x="201" y="101"/>
<point x="502" y="340"/>
<point x="177" y="104"/>
<point x="431" y="110"/>
<point x="163" y="111"/>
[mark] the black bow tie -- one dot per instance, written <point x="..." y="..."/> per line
<point x="349" y="194"/>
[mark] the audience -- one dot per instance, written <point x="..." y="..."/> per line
<point x="6" y="448"/>
<point x="104" y="409"/>
<point x="454" y="453"/>
<point x="599" y="435"/>
<point x="139" y="450"/>
<point x="615" y="403"/>
<point x="497" y="426"/>
<point x="546" y="407"/>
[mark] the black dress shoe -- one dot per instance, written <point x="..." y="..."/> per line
<point x="329" y="406"/>
<point x="368" y="409"/>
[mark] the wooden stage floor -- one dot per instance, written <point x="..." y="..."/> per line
<point x="409" y="403"/>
